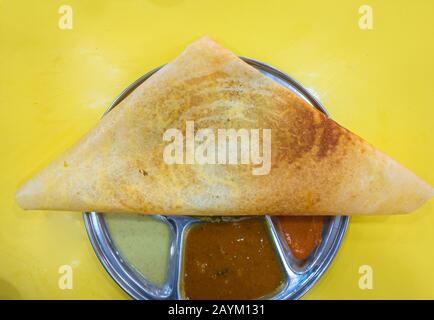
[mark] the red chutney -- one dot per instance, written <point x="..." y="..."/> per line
<point x="303" y="234"/>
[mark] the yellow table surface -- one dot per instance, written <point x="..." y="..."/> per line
<point x="55" y="84"/>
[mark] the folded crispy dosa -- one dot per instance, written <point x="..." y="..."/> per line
<point x="317" y="167"/>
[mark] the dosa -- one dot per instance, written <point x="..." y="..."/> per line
<point x="317" y="167"/>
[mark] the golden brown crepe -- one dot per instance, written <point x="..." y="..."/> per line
<point x="317" y="168"/>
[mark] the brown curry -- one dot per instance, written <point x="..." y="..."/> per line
<point x="230" y="260"/>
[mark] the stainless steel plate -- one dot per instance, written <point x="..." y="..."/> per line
<point x="300" y="275"/>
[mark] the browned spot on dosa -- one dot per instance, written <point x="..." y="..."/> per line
<point x="310" y="131"/>
<point x="331" y="132"/>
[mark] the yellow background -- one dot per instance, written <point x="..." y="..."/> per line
<point x="55" y="84"/>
